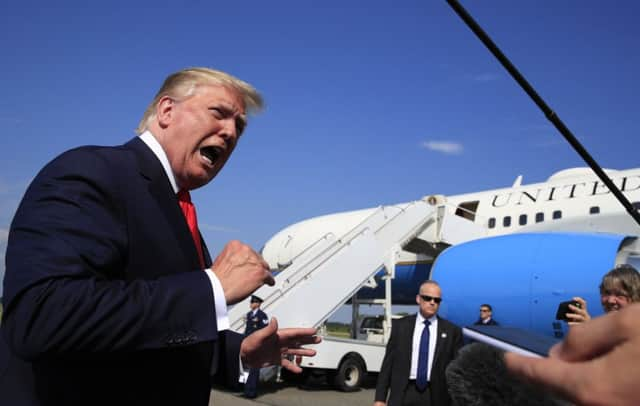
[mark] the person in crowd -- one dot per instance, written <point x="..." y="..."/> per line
<point x="486" y="316"/>
<point x="417" y="354"/>
<point x="619" y="288"/>
<point x="110" y="294"/>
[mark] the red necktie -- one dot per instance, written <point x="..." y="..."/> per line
<point x="189" y="211"/>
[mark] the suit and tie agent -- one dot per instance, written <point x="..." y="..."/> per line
<point x="255" y="320"/>
<point x="110" y="294"/>
<point x="486" y="316"/>
<point x="417" y="354"/>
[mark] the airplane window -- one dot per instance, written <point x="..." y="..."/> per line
<point x="506" y="221"/>
<point x="492" y="222"/>
<point x="557" y="214"/>
<point x="636" y="205"/>
<point x="594" y="210"/>
<point x="539" y="217"/>
<point x="523" y="219"/>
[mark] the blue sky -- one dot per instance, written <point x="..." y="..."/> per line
<point x="368" y="102"/>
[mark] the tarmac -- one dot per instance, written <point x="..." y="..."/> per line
<point x="313" y="393"/>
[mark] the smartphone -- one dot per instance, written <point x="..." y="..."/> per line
<point x="563" y="309"/>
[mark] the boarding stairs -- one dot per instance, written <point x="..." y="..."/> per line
<point x="327" y="273"/>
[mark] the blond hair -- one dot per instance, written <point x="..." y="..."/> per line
<point x="624" y="276"/>
<point x="182" y="84"/>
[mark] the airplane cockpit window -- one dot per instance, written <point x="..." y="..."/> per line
<point x="557" y="214"/>
<point x="506" y="221"/>
<point x="492" y="222"/>
<point x="594" y="210"/>
<point x="467" y="210"/>
<point x="522" y="220"/>
<point x="539" y="217"/>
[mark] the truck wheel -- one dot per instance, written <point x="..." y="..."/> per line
<point x="349" y="375"/>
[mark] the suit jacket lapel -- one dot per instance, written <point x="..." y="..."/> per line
<point x="407" y="342"/>
<point x="441" y="337"/>
<point x="409" y="331"/>
<point x="205" y="252"/>
<point x="162" y="192"/>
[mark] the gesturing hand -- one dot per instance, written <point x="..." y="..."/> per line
<point x="240" y="271"/>
<point x="578" y="314"/>
<point x="596" y="364"/>
<point x="270" y="346"/>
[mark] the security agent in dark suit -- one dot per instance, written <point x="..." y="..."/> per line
<point x="105" y="297"/>
<point x="256" y="319"/>
<point x="486" y="316"/>
<point x="413" y="369"/>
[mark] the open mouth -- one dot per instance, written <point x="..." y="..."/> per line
<point x="211" y="154"/>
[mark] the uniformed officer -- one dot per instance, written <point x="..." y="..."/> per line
<point x="255" y="320"/>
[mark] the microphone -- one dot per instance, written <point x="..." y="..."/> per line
<point x="478" y="377"/>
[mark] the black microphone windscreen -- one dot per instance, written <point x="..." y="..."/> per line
<point x="479" y="377"/>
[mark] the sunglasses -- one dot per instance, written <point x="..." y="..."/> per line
<point x="428" y="298"/>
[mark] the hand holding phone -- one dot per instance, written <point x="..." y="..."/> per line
<point x="564" y="309"/>
<point x="573" y="311"/>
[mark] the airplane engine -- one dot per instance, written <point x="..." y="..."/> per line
<point x="525" y="276"/>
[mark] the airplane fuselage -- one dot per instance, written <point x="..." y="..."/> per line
<point x="573" y="200"/>
<point x="570" y="200"/>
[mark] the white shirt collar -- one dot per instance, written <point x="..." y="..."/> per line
<point x="420" y="318"/>
<point x="155" y="146"/>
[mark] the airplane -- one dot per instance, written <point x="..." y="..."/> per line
<point x="569" y="204"/>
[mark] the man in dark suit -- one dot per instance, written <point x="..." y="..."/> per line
<point x="418" y="352"/>
<point x="256" y="319"/>
<point x="486" y="316"/>
<point x="110" y="295"/>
